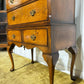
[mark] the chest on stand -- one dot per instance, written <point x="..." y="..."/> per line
<point x="46" y="24"/>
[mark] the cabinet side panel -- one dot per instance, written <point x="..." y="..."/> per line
<point x="62" y="36"/>
<point x="63" y="11"/>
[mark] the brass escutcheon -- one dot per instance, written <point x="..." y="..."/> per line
<point x="33" y="37"/>
<point x="13" y="36"/>
<point x="32" y="13"/>
<point x="12" y="1"/>
<point x="13" y="18"/>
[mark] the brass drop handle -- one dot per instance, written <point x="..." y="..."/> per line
<point x="32" y="13"/>
<point x="12" y="1"/>
<point x="13" y="18"/>
<point x="13" y="36"/>
<point x="33" y="37"/>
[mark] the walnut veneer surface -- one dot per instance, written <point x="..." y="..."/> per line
<point x="46" y="24"/>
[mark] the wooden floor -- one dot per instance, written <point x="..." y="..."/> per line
<point x="27" y="73"/>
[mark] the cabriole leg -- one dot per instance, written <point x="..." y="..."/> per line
<point x="10" y="48"/>
<point x="32" y="56"/>
<point x="73" y="52"/>
<point x="51" y="61"/>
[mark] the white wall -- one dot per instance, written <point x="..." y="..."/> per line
<point x="64" y="61"/>
<point x="24" y="52"/>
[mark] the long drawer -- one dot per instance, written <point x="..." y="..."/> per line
<point x="13" y="3"/>
<point x="36" y="11"/>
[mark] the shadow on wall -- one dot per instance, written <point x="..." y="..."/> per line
<point x="78" y="63"/>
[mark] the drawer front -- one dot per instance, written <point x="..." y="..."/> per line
<point x="13" y="3"/>
<point x="38" y="37"/>
<point x="14" y="36"/>
<point x="36" y="11"/>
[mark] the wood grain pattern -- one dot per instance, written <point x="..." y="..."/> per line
<point x="17" y="35"/>
<point x="51" y="28"/>
<point x="30" y="24"/>
<point x="22" y="15"/>
<point x="45" y="49"/>
<point x="21" y="5"/>
<point x="15" y="3"/>
<point x="10" y="48"/>
<point x="41" y="36"/>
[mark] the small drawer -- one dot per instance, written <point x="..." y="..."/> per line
<point x="36" y="11"/>
<point x="14" y="35"/>
<point x="38" y="36"/>
<point x="13" y="3"/>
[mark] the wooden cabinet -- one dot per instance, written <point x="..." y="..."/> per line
<point x="46" y="24"/>
<point x="3" y="25"/>
<point x="36" y="11"/>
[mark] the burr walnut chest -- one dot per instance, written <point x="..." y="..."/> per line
<point x="46" y="24"/>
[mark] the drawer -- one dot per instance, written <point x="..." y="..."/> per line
<point x="38" y="37"/>
<point x="13" y="3"/>
<point x="36" y="11"/>
<point x="14" y="35"/>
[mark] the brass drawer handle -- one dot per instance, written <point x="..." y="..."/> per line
<point x="13" y="36"/>
<point x="12" y="1"/>
<point x="33" y="37"/>
<point x="13" y="18"/>
<point x="32" y="13"/>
